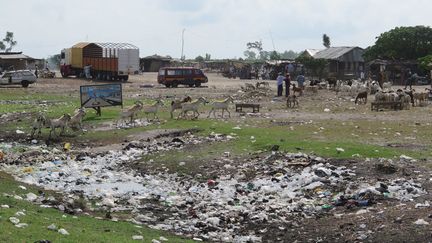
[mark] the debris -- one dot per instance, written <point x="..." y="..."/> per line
<point x="163" y="238"/>
<point x="52" y="227"/>
<point x="21" y="225"/>
<point x="22" y="187"/>
<point x="19" y="132"/>
<point x="340" y="150"/>
<point x="14" y="220"/>
<point x="422" y="205"/>
<point x="326" y="110"/>
<point x="31" y="197"/>
<point x="155" y="241"/>
<point x="421" y="222"/>
<point x="137" y="237"/>
<point x="63" y="231"/>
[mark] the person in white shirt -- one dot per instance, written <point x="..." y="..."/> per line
<point x="280" y="79"/>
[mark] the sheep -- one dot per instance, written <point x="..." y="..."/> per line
<point x="130" y="112"/>
<point x="221" y="105"/>
<point x="59" y="123"/>
<point x="404" y="98"/>
<point x="193" y="106"/>
<point x="374" y="87"/>
<point x="76" y="120"/>
<point x="152" y="109"/>
<point x="362" y="96"/>
<point x="176" y="104"/>
<point x="292" y="101"/>
<point x="38" y="123"/>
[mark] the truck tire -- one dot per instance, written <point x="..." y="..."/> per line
<point x="25" y="83"/>
<point x="197" y="83"/>
<point x="167" y="85"/>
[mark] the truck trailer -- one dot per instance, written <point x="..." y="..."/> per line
<point x="102" y="61"/>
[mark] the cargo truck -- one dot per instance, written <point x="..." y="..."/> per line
<point x="102" y="61"/>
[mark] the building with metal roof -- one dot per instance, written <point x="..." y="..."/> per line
<point x="17" y="61"/>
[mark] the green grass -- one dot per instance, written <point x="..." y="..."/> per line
<point x="81" y="229"/>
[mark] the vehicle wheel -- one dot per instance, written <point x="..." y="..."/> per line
<point x="167" y="85"/>
<point x="63" y="74"/>
<point x="191" y="85"/>
<point x="25" y="83"/>
<point x="197" y="84"/>
<point x="174" y="84"/>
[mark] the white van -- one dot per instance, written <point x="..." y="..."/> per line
<point x="21" y="77"/>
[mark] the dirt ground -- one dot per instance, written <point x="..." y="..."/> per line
<point x="385" y="221"/>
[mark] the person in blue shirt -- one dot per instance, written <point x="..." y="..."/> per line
<point x="300" y="81"/>
<point x="280" y="79"/>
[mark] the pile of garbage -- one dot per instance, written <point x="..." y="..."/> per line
<point x="284" y="186"/>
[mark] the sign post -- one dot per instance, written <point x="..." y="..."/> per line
<point x="103" y="95"/>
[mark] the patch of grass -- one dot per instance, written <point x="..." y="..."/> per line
<point x="81" y="229"/>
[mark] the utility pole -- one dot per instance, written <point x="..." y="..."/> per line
<point x="181" y="57"/>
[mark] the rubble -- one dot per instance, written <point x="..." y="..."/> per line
<point x="295" y="185"/>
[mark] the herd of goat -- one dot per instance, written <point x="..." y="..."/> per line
<point x="354" y="88"/>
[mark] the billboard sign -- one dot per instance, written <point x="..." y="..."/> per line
<point x="96" y="96"/>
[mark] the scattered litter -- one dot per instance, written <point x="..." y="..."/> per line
<point x="63" y="231"/>
<point x="421" y="222"/>
<point x="14" y="220"/>
<point x="52" y="227"/>
<point x="137" y="237"/>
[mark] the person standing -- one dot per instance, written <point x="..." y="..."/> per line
<point x="287" y="84"/>
<point x="301" y="80"/>
<point x="280" y="79"/>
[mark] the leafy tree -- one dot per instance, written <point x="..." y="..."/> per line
<point x="256" y="45"/>
<point x="326" y="40"/>
<point x="207" y="57"/>
<point x="289" y="54"/>
<point x="199" y="59"/>
<point x="9" y="41"/>
<point x="410" y="43"/>
<point x="274" y="55"/>
<point x="425" y="62"/>
<point x="317" y="67"/>
<point x="250" y="55"/>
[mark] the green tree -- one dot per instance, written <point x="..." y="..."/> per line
<point x="326" y="40"/>
<point x="317" y="67"/>
<point x="250" y="55"/>
<point x="9" y="40"/>
<point x="258" y="47"/>
<point x="289" y="54"/>
<point x="425" y="62"/>
<point x="409" y="43"/>
<point x="207" y="57"/>
<point x="199" y="58"/>
<point x="274" y="55"/>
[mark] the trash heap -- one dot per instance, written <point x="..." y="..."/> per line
<point x="284" y="186"/>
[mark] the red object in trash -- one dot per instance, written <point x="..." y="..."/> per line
<point x="211" y="183"/>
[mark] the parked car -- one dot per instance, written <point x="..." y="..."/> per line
<point x="173" y="76"/>
<point x="21" y="77"/>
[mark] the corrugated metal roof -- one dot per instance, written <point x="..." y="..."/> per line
<point x="110" y="45"/>
<point x="15" y="56"/>
<point x="334" y="52"/>
<point x="80" y="45"/>
<point x="312" y="52"/>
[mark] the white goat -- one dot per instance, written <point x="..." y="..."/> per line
<point x="130" y="112"/>
<point x="221" y="105"/>
<point x="59" y="123"/>
<point x="152" y="109"/>
<point x="76" y="120"/>
<point x="38" y="124"/>
<point x="193" y="106"/>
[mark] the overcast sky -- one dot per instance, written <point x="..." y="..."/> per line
<point x="218" y="27"/>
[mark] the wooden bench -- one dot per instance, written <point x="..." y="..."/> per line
<point x="239" y="107"/>
<point x="393" y="105"/>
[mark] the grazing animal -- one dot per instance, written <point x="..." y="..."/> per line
<point x="192" y="106"/>
<point x="292" y="101"/>
<point x="59" y="123"/>
<point x="297" y="89"/>
<point x="130" y="112"/>
<point x="332" y="82"/>
<point x="420" y="97"/>
<point x="153" y="109"/>
<point x="76" y="120"/>
<point x="38" y="123"/>
<point x="221" y="105"/>
<point x="362" y="96"/>
<point x="177" y="104"/>
<point x="262" y="84"/>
